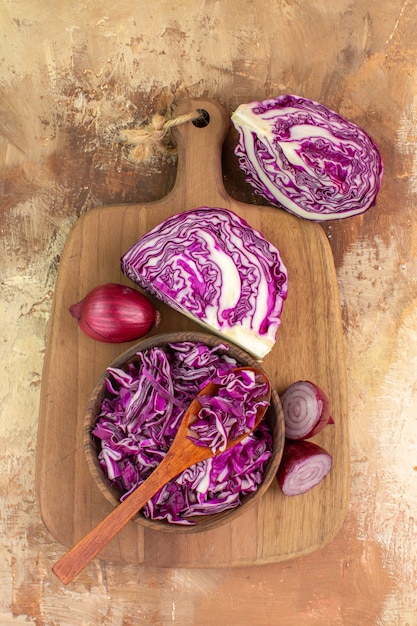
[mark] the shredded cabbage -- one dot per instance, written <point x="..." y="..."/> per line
<point x="211" y="265"/>
<point x="221" y="417"/>
<point x="141" y="415"/>
<point x="307" y="159"/>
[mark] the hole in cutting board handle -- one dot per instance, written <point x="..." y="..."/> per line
<point x="203" y="121"/>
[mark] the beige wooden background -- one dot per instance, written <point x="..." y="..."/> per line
<point x="72" y="75"/>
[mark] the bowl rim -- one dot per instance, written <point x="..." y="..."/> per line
<point x="274" y="416"/>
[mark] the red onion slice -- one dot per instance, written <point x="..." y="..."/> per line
<point x="306" y="410"/>
<point x="303" y="466"/>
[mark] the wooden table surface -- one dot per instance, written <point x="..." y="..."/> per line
<point x="72" y="77"/>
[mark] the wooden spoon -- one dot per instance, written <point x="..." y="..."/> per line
<point x="182" y="454"/>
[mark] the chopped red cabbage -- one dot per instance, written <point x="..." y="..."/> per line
<point x="221" y="418"/>
<point x="141" y="415"/>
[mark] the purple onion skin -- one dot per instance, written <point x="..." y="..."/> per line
<point x="114" y="313"/>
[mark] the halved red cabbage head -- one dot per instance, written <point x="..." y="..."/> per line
<point x="306" y="158"/>
<point x="141" y="415"/>
<point x="211" y="265"/>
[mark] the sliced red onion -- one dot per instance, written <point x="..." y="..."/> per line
<point x="304" y="465"/>
<point x="306" y="410"/>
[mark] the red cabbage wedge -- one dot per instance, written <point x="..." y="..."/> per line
<point x="211" y="265"/>
<point x="306" y="158"/>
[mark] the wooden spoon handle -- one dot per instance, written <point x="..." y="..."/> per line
<point x="78" y="557"/>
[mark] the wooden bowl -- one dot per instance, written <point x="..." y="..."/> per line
<point x="274" y="417"/>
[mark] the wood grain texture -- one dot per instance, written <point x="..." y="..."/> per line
<point x="310" y="345"/>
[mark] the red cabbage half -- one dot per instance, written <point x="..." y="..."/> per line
<point x="213" y="266"/>
<point x="141" y="415"/>
<point x="307" y="159"/>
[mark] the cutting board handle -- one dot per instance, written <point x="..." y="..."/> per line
<point x="199" y="178"/>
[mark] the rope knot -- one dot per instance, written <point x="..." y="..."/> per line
<point x="154" y="137"/>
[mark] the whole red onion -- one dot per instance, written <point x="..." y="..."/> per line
<point x="115" y="313"/>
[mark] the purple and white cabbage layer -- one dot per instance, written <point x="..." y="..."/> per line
<point x="211" y="265"/>
<point x="306" y="158"/>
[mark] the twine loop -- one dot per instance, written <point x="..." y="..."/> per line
<point x="154" y="137"/>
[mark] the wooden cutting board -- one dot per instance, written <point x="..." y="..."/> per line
<point x="309" y="346"/>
